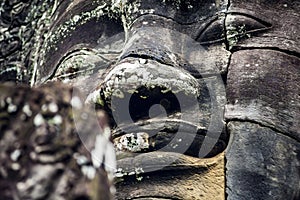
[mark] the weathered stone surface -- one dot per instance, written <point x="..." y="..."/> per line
<point x="192" y="14"/>
<point x="186" y="178"/>
<point x="42" y="155"/>
<point x="264" y="86"/>
<point x="22" y="25"/>
<point x="282" y="28"/>
<point x="84" y="26"/>
<point x="261" y="163"/>
<point x="76" y="41"/>
<point x="263" y="101"/>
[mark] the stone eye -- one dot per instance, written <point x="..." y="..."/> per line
<point x="77" y="64"/>
<point x="213" y="33"/>
<point x="236" y="27"/>
<point x="81" y="66"/>
<point x="240" y="26"/>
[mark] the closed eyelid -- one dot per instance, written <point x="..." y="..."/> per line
<point x="252" y="24"/>
<point x="80" y="63"/>
<point x="212" y="33"/>
<point x="234" y="23"/>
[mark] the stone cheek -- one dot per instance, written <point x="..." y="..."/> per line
<point x="263" y="86"/>
<point x="270" y="163"/>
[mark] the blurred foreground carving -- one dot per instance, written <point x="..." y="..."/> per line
<point x="41" y="154"/>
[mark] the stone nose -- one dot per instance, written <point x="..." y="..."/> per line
<point x="152" y="58"/>
<point x="152" y="78"/>
<point x="157" y="88"/>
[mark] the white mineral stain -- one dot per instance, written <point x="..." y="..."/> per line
<point x="27" y="110"/>
<point x="119" y="173"/>
<point x="92" y="97"/>
<point x="16" y="166"/>
<point x="142" y="61"/>
<point x="66" y="80"/>
<point x="76" y="18"/>
<point x="76" y="102"/>
<point x="80" y="159"/>
<point x="21" y="186"/>
<point x="190" y="6"/>
<point x="118" y="4"/>
<point x="15" y="155"/>
<point x="53" y="107"/>
<point x="11" y="108"/>
<point x="88" y="171"/>
<point x="44" y="107"/>
<point x="133" y="142"/>
<point x="57" y="120"/>
<point x="8" y="100"/>
<point x="131" y="173"/>
<point x="138" y="170"/>
<point x="38" y="120"/>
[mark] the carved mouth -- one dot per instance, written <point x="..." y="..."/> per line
<point x="152" y="114"/>
<point x="138" y="136"/>
<point x="163" y="135"/>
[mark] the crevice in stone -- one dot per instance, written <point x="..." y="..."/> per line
<point x="224" y="77"/>
<point x="262" y="125"/>
<point x="288" y="52"/>
<point x="225" y="28"/>
<point x="225" y="74"/>
<point x="225" y="169"/>
<point x="154" y="197"/>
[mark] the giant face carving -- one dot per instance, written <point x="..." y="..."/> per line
<point x="186" y="85"/>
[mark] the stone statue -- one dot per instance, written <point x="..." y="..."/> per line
<point x="202" y="97"/>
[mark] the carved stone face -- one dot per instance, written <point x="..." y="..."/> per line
<point x="160" y="69"/>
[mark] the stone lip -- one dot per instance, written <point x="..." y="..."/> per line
<point x="173" y="136"/>
<point x="170" y="124"/>
<point x="162" y="161"/>
<point x="130" y="74"/>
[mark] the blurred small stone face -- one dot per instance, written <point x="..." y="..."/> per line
<point x="159" y="69"/>
<point x="47" y="143"/>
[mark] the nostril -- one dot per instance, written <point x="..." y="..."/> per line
<point x="147" y="103"/>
